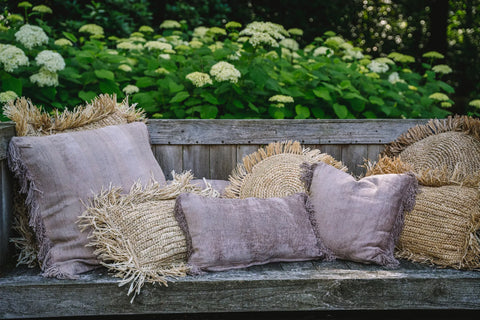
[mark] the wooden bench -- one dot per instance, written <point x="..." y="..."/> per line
<point x="211" y="149"/>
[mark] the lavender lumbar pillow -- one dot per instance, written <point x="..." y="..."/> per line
<point x="359" y="220"/>
<point x="59" y="173"/>
<point x="225" y="234"/>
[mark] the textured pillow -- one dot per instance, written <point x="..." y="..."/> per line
<point x="136" y="235"/>
<point x="225" y="234"/>
<point x="32" y="121"/>
<point x="59" y="172"/>
<point x="274" y="171"/>
<point x="449" y="146"/>
<point x="442" y="229"/>
<point x="359" y="220"/>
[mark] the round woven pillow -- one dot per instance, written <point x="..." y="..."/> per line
<point x="274" y="171"/>
<point x="449" y="146"/>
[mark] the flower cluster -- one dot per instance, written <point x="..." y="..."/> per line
<point x="129" y="46"/>
<point x="157" y="45"/>
<point x="52" y="61"/>
<point x="125" y="67"/>
<point x="93" y="29"/>
<point x="224" y="71"/>
<point x="62" y="42"/>
<point x="199" y="79"/>
<point x="268" y="33"/>
<point x="31" y="36"/>
<point x="45" y="78"/>
<point x="281" y="98"/>
<point x="12" y="57"/>
<point x="290" y="44"/>
<point x="170" y="24"/>
<point x="131" y="89"/>
<point x="322" y="51"/>
<point x="7" y="96"/>
<point x="378" y="67"/>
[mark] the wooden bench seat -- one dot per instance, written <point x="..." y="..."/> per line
<point x="211" y="149"/>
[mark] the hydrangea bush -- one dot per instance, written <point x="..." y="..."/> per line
<point x="254" y="71"/>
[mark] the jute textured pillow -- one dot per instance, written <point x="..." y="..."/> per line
<point x="274" y="171"/>
<point x="442" y="229"/>
<point x="451" y="145"/>
<point x="30" y="120"/>
<point x="58" y="172"/>
<point x="136" y="235"/>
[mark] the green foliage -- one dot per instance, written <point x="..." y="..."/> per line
<point x="232" y="72"/>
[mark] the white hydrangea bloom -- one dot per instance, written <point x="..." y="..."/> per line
<point x="322" y="51"/>
<point x="7" y="96"/>
<point x="199" y="79"/>
<point x="170" y="24"/>
<point x="290" y="44"/>
<point x="378" y="67"/>
<point x="356" y="54"/>
<point x="31" y="36"/>
<point x="130" y="89"/>
<point x="91" y="28"/>
<point x="195" y="44"/>
<point x="260" y="38"/>
<point x="157" y="45"/>
<point x="62" y="42"/>
<point x="394" y="77"/>
<point x="52" y="61"/>
<point x="12" y="57"/>
<point x="224" y="71"/>
<point x="274" y="30"/>
<point x="200" y="32"/>
<point x="125" y="67"/>
<point x="165" y="56"/>
<point x="130" y="46"/>
<point x="281" y="98"/>
<point x="45" y="78"/>
<point x="162" y="70"/>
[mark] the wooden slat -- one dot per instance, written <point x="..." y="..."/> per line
<point x="353" y="156"/>
<point x="259" y="131"/>
<point x="7" y="131"/>
<point x="243" y="150"/>
<point x="197" y="159"/>
<point x="6" y="210"/>
<point x="170" y="158"/>
<point x="223" y="159"/>
<point x="313" y="286"/>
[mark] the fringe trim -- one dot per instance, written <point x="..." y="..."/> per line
<point x="27" y="186"/>
<point x="459" y="123"/>
<point x="327" y="254"/>
<point x="116" y="252"/>
<point x="31" y="120"/>
<point x="429" y="177"/>
<point x="244" y="168"/>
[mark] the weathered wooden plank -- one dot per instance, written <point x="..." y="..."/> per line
<point x="170" y="158"/>
<point x="223" y="159"/>
<point x="243" y="150"/>
<point x="260" y="131"/>
<point x="6" y="210"/>
<point x="197" y="159"/>
<point x="373" y="151"/>
<point x="353" y="156"/>
<point x="275" y="287"/>
<point x="7" y="131"/>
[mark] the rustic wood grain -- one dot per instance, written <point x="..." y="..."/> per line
<point x="298" y="286"/>
<point x="197" y="159"/>
<point x="170" y="158"/>
<point x="353" y="156"/>
<point x="7" y="131"/>
<point x="223" y="159"/>
<point x="6" y="210"/>
<point x="259" y="131"/>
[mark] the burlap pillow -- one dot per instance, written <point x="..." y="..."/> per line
<point x="451" y="145"/>
<point x="58" y="172"/>
<point x="442" y="229"/>
<point x="136" y="235"/>
<point x="274" y="171"/>
<point x="30" y="120"/>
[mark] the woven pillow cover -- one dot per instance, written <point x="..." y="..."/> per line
<point x="442" y="229"/>
<point x="359" y="220"/>
<point x="224" y="234"/>
<point x="274" y="171"/>
<point x="136" y="235"/>
<point x="60" y="172"/>
<point x="30" y="120"/>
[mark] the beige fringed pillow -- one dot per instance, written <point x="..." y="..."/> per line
<point x="30" y="120"/>
<point x="136" y="235"/>
<point x="274" y="171"/>
<point x="451" y="145"/>
<point x="442" y="229"/>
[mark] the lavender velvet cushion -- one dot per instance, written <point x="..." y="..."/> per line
<point x="60" y="172"/>
<point x="225" y="234"/>
<point x="359" y="220"/>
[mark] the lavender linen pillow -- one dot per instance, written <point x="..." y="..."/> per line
<point x="60" y="172"/>
<point x="225" y="234"/>
<point x="359" y="220"/>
